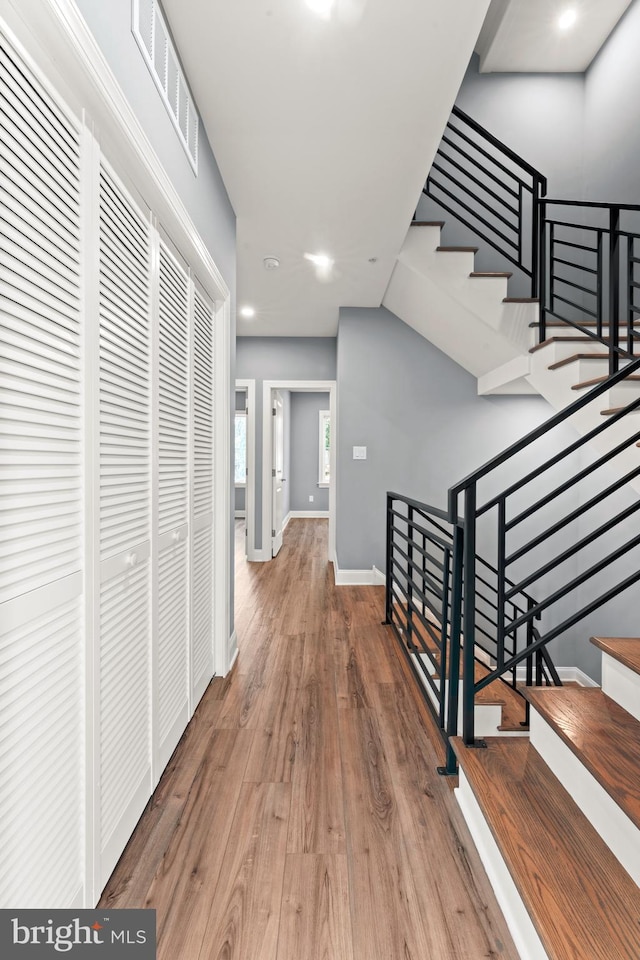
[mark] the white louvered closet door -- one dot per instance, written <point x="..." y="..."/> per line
<point x="125" y="518"/>
<point x="171" y="643"/>
<point x="202" y="498"/>
<point x="41" y="518"/>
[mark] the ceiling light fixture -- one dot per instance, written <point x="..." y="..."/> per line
<point x="321" y="7"/>
<point x="247" y="312"/>
<point x="568" y="19"/>
<point x="321" y="260"/>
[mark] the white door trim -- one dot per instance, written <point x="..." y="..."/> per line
<point x="250" y="519"/>
<point x="296" y="386"/>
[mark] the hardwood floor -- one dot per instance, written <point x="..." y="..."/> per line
<point x="301" y="816"/>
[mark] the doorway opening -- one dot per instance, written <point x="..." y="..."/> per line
<point x="282" y="449"/>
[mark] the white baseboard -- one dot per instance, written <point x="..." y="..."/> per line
<point x="308" y="515"/>
<point x="566" y="674"/>
<point x="358" y="578"/>
<point x="233" y="650"/>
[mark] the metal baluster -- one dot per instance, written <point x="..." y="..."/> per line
<point x="469" y="617"/>
<point x="454" y="647"/>
<point x="388" y="608"/>
<point x="444" y="639"/>
<point x="614" y="288"/>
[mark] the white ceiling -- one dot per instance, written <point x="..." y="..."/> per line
<point x="324" y="130"/>
<point x="523" y="35"/>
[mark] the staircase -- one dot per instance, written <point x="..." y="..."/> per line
<point x="530" y="547"/>
<point x="556" y="817"/>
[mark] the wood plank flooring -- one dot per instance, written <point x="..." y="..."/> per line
<point x="301" y="816"/>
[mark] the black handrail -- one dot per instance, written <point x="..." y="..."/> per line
<point x="468" y="160"/>
<point x="508" y="658"/>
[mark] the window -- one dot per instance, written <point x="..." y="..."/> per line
<point x="324" y="459"/>
<point x="152" y="34"/>
<point x="241" y="449"/>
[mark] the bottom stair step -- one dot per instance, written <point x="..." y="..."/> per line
<point x="579" y="899"/>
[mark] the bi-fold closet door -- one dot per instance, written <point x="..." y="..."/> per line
<point x="106" y="500"/>
<point x="156" y="457"/>
<point x="41" y="495"/>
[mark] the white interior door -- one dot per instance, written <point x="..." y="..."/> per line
<point x="124" y="711"/>
<point x="171" y="640"/>
<point x="41" y="495"/>
<point x="277" y="471"/>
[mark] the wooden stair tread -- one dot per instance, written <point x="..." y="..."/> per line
<point x="602" y="735"/>
<point x="578" y="356"/>
<point x="580" y="900"/>
<point x="457" y="249"/>
<point x="596" y="380"/>
<point x="427" y="223"/>
<point x="550" y="340"/>
<point x="483" y="274"/>
<point x="624" y="649"/>
<point x="612" y="410"/>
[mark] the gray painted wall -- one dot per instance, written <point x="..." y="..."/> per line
<point x="205" y="195"/>
<point x="612" y="115"/>
<point x="303" y="471"/>
<point x="425" y="428"/>
<point x="280" y="358"/>
<point x="541" y="117"/>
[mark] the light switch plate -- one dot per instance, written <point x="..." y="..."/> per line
<point x="359" y="453"/>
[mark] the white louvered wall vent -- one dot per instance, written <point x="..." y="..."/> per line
<point x="152" y="34"/>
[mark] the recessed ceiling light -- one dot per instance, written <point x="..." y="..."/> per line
<point x="568" y="19"/>
<point x="247" y="312"/>
<point x="321" y="260"/>
<point x="321" y="7"/>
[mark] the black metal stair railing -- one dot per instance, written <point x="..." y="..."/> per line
<point x="534" y="536"/>
<point x="590" y="272"/>
<point x="581" y="258"/>
<point x="424" y="603"/>
<point x="490" y="189"/>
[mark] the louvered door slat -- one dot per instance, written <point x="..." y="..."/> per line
<point x="124" y="702"/>
<point x="41" y="499"/>
<point x="124" y="371"/>
<point x="173" y="640"/>
<point x="173" y="390"/>
<point x="203" y="406"/>
<point x="172" y="643"/>
<point x="202" y="507"/>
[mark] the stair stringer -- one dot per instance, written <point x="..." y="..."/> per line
<point x="464" y="316"/>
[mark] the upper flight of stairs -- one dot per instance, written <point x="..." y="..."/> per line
<point x="556" y="817"/>
<point x="470" y="317"/>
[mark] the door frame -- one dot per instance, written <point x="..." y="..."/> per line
<point x="296" y="386"/>
<point x="249" y="386"/>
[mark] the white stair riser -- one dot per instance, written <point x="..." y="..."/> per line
<point x="616" y="829"/>
<point x="621" y="684"/>
<point x="618" y="396"/>
<point x="561" y="349"/>
<point x="488" y="716"/>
